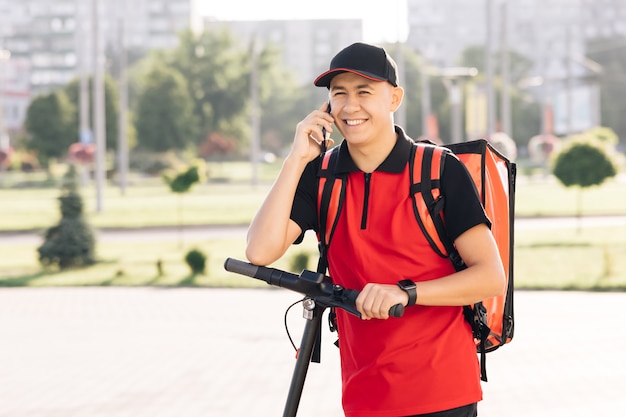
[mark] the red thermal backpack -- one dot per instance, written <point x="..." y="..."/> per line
<point x="494" y="175"/>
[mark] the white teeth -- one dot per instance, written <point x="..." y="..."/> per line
<point x="354" y="122"/>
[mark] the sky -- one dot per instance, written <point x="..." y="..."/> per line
<point x="380" y="17"/>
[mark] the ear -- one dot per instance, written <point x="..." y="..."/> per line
<point x="396" y="98"/>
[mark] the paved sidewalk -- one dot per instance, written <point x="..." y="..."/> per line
<point x="115" y="352"/>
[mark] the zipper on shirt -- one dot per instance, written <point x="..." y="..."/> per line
<point x="366" y="197"/>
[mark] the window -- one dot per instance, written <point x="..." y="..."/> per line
<point x="56" y="24"/>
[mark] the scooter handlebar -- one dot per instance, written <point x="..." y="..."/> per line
<point x="309" y="283"/>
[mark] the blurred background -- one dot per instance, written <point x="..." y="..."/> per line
<point x="234" y="78"/>
<point x="120" y="108"/>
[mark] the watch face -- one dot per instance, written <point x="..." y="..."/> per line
<point x="406" y="283"/>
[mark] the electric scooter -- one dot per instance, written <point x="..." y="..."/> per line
<point x="320" y="294"/>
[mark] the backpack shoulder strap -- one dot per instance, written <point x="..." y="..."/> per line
<point x="330" y="196"/>
<point x="425" y="168"/>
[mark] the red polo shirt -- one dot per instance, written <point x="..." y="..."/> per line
<point x="426" y="360"/>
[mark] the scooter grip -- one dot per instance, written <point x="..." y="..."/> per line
<point x="396" y="311"/>
<point x="351" y="296"/>
<point x="240" y="267"/>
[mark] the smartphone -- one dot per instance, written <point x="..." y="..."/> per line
<point x="323" y="144"/>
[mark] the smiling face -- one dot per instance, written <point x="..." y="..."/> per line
<point x="363" y="109"/>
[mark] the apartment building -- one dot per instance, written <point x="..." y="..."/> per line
<point x="49" y="41"/>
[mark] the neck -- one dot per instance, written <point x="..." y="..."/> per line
<point x="368" y="156"/>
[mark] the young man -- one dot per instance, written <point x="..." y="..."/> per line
<point x="425" y="362"/>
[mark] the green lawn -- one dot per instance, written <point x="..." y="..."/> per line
<point x="588" y="259"/>
<point x="547" y="197"/>
<point x="152" y="205"/>
<point x="148" y="202"/>
<point x="591" y="258"/>
<point x="135" y="264"/>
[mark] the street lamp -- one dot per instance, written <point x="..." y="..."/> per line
<point x="255" y="111"/>
<point x="453" y="78"/>
<point x="99" y="108"/>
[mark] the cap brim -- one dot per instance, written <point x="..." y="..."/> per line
<point x="324" y="79"/>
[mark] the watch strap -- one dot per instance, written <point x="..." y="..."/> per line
<point x="408" y="286"/>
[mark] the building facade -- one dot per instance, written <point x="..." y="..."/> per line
<point x="551" y="33"/>
<point x="51" y="41"/>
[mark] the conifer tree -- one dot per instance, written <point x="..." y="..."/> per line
<point x="71" y="242"/>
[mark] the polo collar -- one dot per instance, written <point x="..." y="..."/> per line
<point x="394" y="163"/>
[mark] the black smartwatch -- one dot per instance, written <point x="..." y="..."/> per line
<point x="408" y="286"/>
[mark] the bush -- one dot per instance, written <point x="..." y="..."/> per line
<point x="196" y="260"/>
<point x="300" y="262"/>
<point x="71" y="242"/>
<point x="583" y="163"/>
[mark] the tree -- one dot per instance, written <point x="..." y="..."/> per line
<point x="474" y="56"/>
<point x="583" y="162"/>
<point x="71" y="242"/>
<point x="196" y="260"/>
<point x="217" y="70"/>
<point x="412" y="100"/>
<point x="604" y="135"/>
<point x="217" y="74"/>
<point x="164" y="112"/>
<point x="49" y="126"/>
<point x="281" y="101"/>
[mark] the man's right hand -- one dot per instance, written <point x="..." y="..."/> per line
<point x="309" y="136"/>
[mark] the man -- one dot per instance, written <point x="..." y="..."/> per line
<point x="425" y="362"/>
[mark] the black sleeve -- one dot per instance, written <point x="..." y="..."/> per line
<point x="304" y="208"/>
<point x="463" y="209"/>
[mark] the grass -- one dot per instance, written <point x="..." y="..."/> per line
<point x="589" y="259"/>
<point x="141" y="206"/>
<point x="135" y="264"/>
<point x="148" y="202"/>
<point x="544" y="259"/>
<point x="547" y="197"/>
